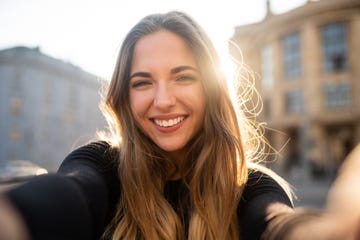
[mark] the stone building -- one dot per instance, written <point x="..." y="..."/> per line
<point x="308" y="60"/>
<point x="47" y="107"/>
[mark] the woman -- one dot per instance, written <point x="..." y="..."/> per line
<point x="175" y="121"/>
<point x="177" y="164"/>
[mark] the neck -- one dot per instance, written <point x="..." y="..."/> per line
<point x="176" y="168"/>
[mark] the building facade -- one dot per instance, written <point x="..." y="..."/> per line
<point x="47" y="107"/>
<point x="308" y="60"/>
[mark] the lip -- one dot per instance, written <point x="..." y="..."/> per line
<point x="168" y="117"/>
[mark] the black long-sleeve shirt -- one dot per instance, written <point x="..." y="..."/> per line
<point x="79" y="201"/>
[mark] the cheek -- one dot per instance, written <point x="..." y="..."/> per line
<point x="199" y="99"/>
<point x="139" y="104"/>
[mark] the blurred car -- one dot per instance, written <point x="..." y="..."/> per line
<point x="19" y="170"/>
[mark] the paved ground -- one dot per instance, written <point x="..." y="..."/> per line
<point x="310" y="192"/>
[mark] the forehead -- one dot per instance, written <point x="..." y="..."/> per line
<point x="162" y="47"/>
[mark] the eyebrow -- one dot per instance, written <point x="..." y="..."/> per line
<point x="183" y="68"/>
<point x="173" y="71"/>
<point x="140" y="74"/>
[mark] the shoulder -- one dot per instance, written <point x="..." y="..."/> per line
<point x="263" y="181"/>
<point x="260" y="181"/>
<point x="97" y="148"/>
<point x="95" y="160"/>
<point x="94" y="168"/>
<point x="97" y="154"/>
<point x="260" y="192"/>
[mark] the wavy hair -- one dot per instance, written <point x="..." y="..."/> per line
<point x="216" y="170"/>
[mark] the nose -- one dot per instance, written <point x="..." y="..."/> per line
<point x="164" y="97"/>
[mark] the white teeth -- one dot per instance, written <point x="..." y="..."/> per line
<point x="168" y="123"/>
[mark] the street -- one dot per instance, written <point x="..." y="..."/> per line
<point x="310" y="192"/>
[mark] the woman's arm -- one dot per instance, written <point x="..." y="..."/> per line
<point x="53" y="207"/>
<point x="12" y="225"/>
<point x="71" y="204"/>
<point x="339" y="221"/>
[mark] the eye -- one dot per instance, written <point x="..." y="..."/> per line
<point x="139" y="84"/>
<point x="186" y="77"/>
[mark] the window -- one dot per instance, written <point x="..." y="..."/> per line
<point x="292" y="56"/>
<point x="294" y="102"/>
<point x="334" y="47"/>
<point x="15" y="106"/>
<point x="267" y="67"/>
<point x="337" y="95"/>
<point x="14" y="134"/>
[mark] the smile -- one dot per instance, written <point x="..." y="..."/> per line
<point x="168" y="123"/>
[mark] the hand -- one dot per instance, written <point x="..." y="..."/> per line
<point x="343" y="201"/>
<point x="341" y="218"/>
<point x="12" y="226"/>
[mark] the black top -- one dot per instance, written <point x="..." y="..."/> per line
<point x="80" y="199"/>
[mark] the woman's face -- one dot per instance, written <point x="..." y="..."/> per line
<point x="166" y="93"/>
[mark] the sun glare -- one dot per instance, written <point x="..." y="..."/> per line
<point x="90" y="40"/>
<point x="228" y="65"/>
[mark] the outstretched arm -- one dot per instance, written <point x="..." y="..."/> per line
<point x="75" y="203"/>
<point x="339" y="221"/>
<point x="12" y="225"/>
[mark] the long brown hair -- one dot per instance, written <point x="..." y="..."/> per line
<point x="215" y="163"/>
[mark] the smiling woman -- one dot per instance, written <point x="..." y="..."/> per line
<point x="179" y="162"/>
<point x="166" y="95"/>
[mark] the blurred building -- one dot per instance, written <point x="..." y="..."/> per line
<point x="308" y="63"/>
<point x="47" y="107"/>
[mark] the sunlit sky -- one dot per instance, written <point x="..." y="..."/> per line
<point x="88" y="33"/>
